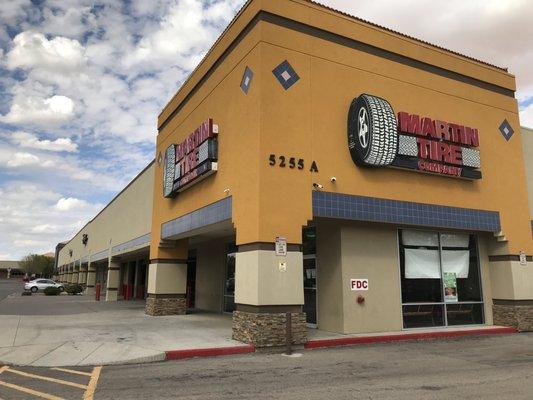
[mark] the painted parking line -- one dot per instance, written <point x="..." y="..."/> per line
<point x="46" y="378"/>
<point x="72" y="371"/>
<point x="88" y="390"/>
<point x="91" y="387"/>
<point x="31" y="391"/>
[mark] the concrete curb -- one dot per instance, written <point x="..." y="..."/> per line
<point x="357" y="340"/>
<point x="208" y="352"/>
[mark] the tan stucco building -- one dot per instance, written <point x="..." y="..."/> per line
<point x="319" y="165"/>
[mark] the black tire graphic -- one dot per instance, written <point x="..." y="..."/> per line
<point x="372" y="131"/>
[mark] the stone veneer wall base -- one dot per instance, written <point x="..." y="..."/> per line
<point x="517" y="316"/>
<point x="268" y="330"/>
<point x="157" y="306"/>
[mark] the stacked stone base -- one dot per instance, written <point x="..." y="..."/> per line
<point x="268" y="330"/>
<point x="158" y="306"/>
<point x="517" y="316"/>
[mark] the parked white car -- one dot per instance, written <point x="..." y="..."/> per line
<point x="41" y="284"/>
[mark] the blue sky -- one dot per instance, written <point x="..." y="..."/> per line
<point x="82" y="83"/>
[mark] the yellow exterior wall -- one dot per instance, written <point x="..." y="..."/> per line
<point x="237" y="116"/>
<point x="127" y="217"/>
<point x="309" y="121"/>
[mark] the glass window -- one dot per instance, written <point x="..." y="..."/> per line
<point x="440" y="279"/>
<point x="229" y="282"/>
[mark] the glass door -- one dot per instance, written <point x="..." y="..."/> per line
<point x="309" y="278"/>
<point x="229" y="280"/>
<point x="440" y="279"/>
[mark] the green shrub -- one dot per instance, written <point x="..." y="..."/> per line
<point x="52" y="291"/>
<point x="74" y="289"/>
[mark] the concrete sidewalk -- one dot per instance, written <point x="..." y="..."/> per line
<point x="96" y="333"/>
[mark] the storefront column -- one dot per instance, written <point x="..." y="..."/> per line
<point x="70" y="273"/>
<point x="136" y="281"/>
<point x="82" y="280"/>
<point x="91" y="279"/>
<point x="267" y="287"/>
<point x="167" y="282"/>
<point x="75" y="274"/>
<point x="512" y="295"/>
<point x="113" y="277"/>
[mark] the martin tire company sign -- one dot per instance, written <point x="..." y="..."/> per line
<point x="376" y="138"/>
<point x="192" y="160"/>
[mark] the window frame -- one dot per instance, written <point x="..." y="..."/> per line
<point x="442" y="303"/>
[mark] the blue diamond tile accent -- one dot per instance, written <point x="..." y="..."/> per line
<point x="506" y="130"/>
<point x="360" y="208"/>
<point x="208" y="215"/>
<point x="285" y="74"/>
<point x="246" y="81"/>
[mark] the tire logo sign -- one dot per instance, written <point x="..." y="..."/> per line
<point x="363" y="128"/>
<point x="376" y="138"/>
<point x="372" y="136"/>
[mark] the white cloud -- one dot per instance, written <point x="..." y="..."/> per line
<point x="69" y="204"/>
<point x="25" y="139"/>
<point x="32" y="49"/>
<point x="22" y="160"/>
<point x="526" y="116"/>
<point x="35" y="223"/>
<point x="49" y="111"/>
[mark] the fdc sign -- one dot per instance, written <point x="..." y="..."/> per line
<point x="359" y="284"/>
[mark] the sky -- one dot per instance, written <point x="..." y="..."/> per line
<point x="82" y="83"/>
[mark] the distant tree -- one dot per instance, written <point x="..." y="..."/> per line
<point x="38" y="264"/>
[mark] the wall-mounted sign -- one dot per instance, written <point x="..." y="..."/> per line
<point x="523" y="259"/>
<point x="281" y="246"/>
<point x="358" y="284"/>
<point x="376" y="138"/>
<point x="192" y="160"/>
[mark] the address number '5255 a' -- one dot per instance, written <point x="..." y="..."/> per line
<point x="290" y="162"/>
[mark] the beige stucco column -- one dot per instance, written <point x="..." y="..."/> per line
<point x="91" y="279"/>
<point x="70" y="272"/>
<point x="167" y="282"/>
<point x="267" y="287"/>
<point x="76" y="273"/>
<point x="113" y="277"/>
<point x="82" y="280"/>
<point x="136" y="280"/>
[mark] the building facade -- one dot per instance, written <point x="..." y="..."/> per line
<point x="320" y="167"/>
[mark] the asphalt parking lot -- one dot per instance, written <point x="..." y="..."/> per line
<point x="489" y="367"/>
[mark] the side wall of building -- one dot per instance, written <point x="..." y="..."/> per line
<point x="527" y="144"/>
<point x="125" y="218"/>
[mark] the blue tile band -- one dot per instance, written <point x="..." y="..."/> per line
<point x="360" y="208"/>
<point x="217" y="212"/>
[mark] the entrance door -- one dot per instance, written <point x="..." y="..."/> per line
<point x="229" y="280"/>
<point x="309" y="278"/>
